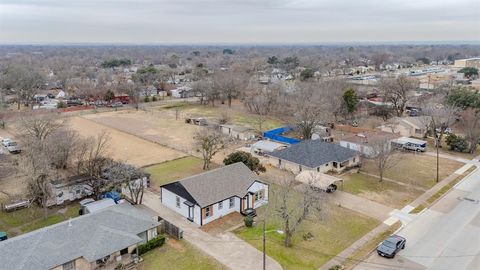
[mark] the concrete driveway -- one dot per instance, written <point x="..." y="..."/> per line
<point x="226" y="248"/>
<point x="445" y="236"/>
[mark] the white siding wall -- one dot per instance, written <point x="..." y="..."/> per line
<point x="256" y="187"/>
<point x="246" y="135"/>
<point x="366" y="150"/>
<point x="218" y="213"/>
<point x="169" y="200"/>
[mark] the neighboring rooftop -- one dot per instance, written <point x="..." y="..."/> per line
<point x="314" y="153"/>
<point x="267" y="146"/>
<point x="213" y="186"/>
<point x="91" y="236"/>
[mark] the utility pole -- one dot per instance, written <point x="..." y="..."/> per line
<point x="264" y="252"/>
<point x="437" y="139"/>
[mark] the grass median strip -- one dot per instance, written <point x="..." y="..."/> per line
<point x="441" y="192"/>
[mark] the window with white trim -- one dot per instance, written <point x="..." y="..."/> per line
<point x="208" y="211"/>
<point x="177" y="201"/>
<point x="231" y="202"/>
<point x="259" y="195"/>
<point x="220" y="205"/>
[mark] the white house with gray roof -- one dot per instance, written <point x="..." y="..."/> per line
<point x="208" y="196"/>
<point x="314" y="155"/>
<point x="107" y="237"/>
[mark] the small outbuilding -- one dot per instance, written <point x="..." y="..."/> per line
<point x="266" y="146"/>
<point x="238" y="132"/>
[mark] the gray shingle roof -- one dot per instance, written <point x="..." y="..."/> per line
<point x="92" y="236"/>
<point x="314" y="153"/>
<point x="216" y="185"/>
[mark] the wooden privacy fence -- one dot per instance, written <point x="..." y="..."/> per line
<point x="170" y="228"/>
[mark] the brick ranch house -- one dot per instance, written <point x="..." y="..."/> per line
<point x="208" y="196"/>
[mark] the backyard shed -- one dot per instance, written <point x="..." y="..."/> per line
<point x="238" y="132"/>
<point x="266" y="146"/>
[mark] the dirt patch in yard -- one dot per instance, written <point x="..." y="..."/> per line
<point x="223" y="224"/>
<point x="175" y="245"/>
<point x="126" y="147"/>
<point x="11" y="181"/>
<point x="156" y="126"/>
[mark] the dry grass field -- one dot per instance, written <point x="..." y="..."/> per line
<point x="126" y="147"/>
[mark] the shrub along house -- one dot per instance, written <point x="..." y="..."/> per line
<point x="99" y="240"/>
<point x="314" y="155"/>
<point x="210" y="195"/>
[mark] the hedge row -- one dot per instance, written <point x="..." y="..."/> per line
<point x="155" y="242"/>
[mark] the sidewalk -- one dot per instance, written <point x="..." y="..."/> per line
<point x="459" y="159"/>
<point x="393" y="181"/>
<point x="227" y="248"/>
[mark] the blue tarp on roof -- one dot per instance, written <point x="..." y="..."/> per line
<point x="115" y="196"/>
<point x="276" y="135"/>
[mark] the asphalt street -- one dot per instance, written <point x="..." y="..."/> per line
<point x="445" y="236"/>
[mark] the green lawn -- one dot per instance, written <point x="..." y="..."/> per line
<point x="32" y="218"/>
<point x="385" y="192"/>
<point x="331" y="235"/>
<point x="179" y="255"/>
<point x="415" y="169"/>
<point x="174" y="170"/>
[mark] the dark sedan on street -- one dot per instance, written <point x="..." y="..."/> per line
<point x="391" y="246"/>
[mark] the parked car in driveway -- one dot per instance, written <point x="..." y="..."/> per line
<point x="13" y="147"/>
<point x="391" y="246"/>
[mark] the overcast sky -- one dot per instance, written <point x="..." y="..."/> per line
<point x="237" y="21"/>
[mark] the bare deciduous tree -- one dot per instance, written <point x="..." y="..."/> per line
<point x="133" y="91"/>
<point x="228" y="84"/>
<point x="470" y="123"/>
<point x="201" y="89"/>
<point x="398" y="91"/>
<point x="383" y="155"/>
<point x="93" y="160"/>
<point x="295" y="205"/>
<point x="25" y="81"/>
<point x="262" y="101"/>
<point x="62" y="146"/>
<point x="130" y="177"/>
<point x="310" y="110"/>
<point x="442" y="117"/>
<point x="39" y="127"/>
<point x="208" y="143"/>
<point x="35" y="164"/>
